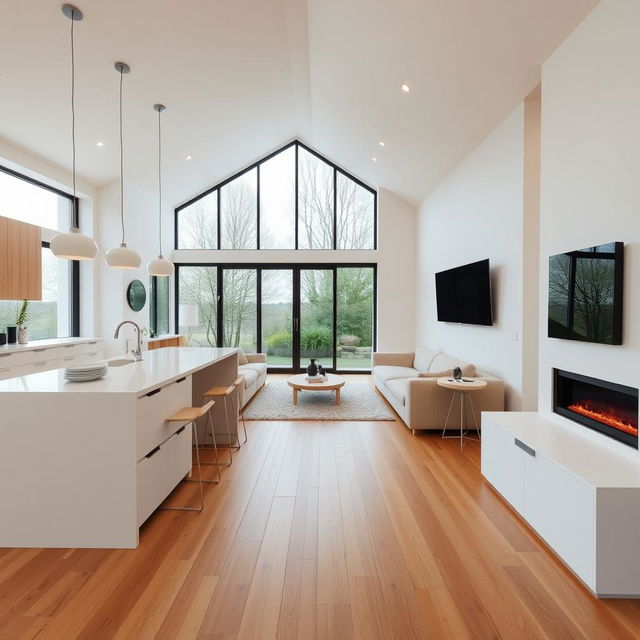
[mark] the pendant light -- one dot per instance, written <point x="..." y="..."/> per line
<point x="122" y="257"/>
<point x="73" y="245"/>
<point x="160" y="266"/>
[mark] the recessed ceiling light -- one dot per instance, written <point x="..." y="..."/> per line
<point x="99" y="144"/>
<point x="405" y="88"/>
<point x="381" y="143"/>
<point x="374" y="159"/>
<point x="188" y="157"/>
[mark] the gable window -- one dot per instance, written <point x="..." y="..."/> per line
<point x="292" y="199"/>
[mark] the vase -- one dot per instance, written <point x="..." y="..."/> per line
<point x="23" y="336"/>
<point x="12" y="333"/>
<point x="312" y="369"/>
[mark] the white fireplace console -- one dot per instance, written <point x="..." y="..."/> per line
<point x="579" y="495"/>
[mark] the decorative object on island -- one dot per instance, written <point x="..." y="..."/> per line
<point x="321" y="371"/>
<point x="122" y="257"/>
<point x="160" y="266"/>
<point x="21" y="322"/>
<point x="73" y="245"/>
<point x="3" y="338"/>
<point x="12" y="334"/>
<point x="312" y="369"/>
<point x="456" y="374"/>
<point x="136" y="295"/>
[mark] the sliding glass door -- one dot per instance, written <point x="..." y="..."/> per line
<point x="291" y="313"/>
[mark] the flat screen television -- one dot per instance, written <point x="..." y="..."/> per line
<point x="463" y="294"/>
<point x="585" y="294"/>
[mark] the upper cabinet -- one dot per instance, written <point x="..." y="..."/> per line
<point x="20" y="260"/>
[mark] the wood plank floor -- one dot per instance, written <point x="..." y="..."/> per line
<point x="323" y="530"/>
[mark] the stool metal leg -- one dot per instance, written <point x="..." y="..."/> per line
<point x="226" y="416"/>
<point x="217" y="463"/>
<point x="237" y="410"/>
<point x="200" y="480"/>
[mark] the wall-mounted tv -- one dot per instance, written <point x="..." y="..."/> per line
<point x="463" y="294"/>
<point x="585" y="294"/>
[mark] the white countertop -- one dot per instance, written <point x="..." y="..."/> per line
<point x="44" y="344"/>
<point x="158" y="367"/>
<point x="597" y="463"/>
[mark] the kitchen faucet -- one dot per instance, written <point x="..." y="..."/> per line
<point x="137" y="353"/>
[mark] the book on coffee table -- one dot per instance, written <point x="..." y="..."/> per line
<point x="318" y="379"/>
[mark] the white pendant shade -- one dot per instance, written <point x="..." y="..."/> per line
<point x="123" y="258"/>
<point x="160" y="267"/>
<point x="73" y="246"/>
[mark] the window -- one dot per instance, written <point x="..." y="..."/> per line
<point x="197" y="304"/>
<point x="57" y="314"/>
<point x="159" y="305"/>
<point x="239" y="309"/>
<point x="239" y="212"/>
<point x="292" y="199"/>
<point x="25" y="200"/>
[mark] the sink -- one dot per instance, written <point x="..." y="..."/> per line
<point x="119" y="362"/>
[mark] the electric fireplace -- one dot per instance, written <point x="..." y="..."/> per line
<point x="606" y="407"/>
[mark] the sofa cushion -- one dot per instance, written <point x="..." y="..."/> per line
<point x="389" y="372"/>
<point x="249" y="375"/>
<point x="445" y="363"/>
<point x="259" y="367"/>
<point x="423" y="358"/>
<point x="242" y="358"/>
<point x="399" y="388"/>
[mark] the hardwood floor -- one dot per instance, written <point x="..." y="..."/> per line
<point x="323" y="530"/>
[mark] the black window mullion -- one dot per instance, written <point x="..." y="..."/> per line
<point x="176" y="299"/>
<point x="259" y="310"/>
<point x="258" y="207"/>
<point x="219" y="301"/>
<point x="219" y="225"/>
<point x="335" y="318"/>
<point x="296" y="196"/>
<point x="335" y="208"/>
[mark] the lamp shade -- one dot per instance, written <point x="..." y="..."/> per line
<point x="73" y="246"/>
<point x="123" y="258"/>
<point x="160" y="267"/>
<point x="188" y="315"/>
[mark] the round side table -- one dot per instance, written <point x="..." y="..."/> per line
<point x="461" y="390"/>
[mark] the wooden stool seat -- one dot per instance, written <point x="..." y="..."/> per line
<point x="219" y="392"/>
<point x="188" y="414"/>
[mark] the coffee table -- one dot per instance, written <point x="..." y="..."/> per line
<point x="332" y="383"/>
<point x="462" y="390"/>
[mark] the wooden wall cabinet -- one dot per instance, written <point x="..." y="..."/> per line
<point x="20" y="260"/>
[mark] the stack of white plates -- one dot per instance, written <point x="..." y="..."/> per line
<point x="86" y="373"/>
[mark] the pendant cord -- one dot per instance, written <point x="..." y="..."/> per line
<point x="73" y="105"/>
<point x="121" y="165"/>
<point x="160" y="181"/>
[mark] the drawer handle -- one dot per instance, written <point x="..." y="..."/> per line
<point x="39" y="350"/>
<point x="180" y="430"/>
<point x="69" y="346"/>
<point x="94" y="342"/>
<point x="93" y="353"/>
<point x="4" y="355"/>
<point x="68" y="358"/>
<point x="153" y="393"/>
<point x="181" y="379"/>
<point x="525" y="447"/>
<point x="39" y="364"/>
<point x="153" y="452"/>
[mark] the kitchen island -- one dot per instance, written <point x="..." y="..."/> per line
<point x="84" y="464"/>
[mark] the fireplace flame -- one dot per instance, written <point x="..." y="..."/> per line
<point x="605" y="417"/>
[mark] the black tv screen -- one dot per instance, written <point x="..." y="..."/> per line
<point x="585" y="294"/>
<point x="463" y="294"/>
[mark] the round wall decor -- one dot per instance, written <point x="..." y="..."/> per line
<point x="136" y="295"/>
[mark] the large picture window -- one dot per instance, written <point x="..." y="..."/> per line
<point x="57" y="314"/>
<point x="292" y="199"/>
<point x="290" y="312"/>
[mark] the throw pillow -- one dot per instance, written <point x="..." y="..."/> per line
<point x="242" y="358"/>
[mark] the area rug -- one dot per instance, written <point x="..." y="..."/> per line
<point x="358" y="401"/>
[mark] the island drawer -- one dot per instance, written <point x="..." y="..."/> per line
<point x="161" y="470"/>
<point x="153" y="410"/>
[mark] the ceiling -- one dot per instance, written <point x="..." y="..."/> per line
<point x="240" y="78"/>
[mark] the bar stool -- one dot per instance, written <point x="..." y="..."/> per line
<point x="189" y="415"/>
<point x="238" y="385"/>
<point x="225" y="394"/>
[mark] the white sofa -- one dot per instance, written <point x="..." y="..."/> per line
<point x="408" y="381"/>
<point x="253" y="372"/>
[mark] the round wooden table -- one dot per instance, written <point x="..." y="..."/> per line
<point x="299" y="383"/>
<point x="462" y="389"/>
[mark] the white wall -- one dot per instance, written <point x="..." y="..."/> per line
<point x="477" y="213"/>
<point x="590" y="187"/>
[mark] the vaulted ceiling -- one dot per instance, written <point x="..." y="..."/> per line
<point x="240" y="78"/>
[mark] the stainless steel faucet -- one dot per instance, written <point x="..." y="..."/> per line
<point x="137" y="353"/>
